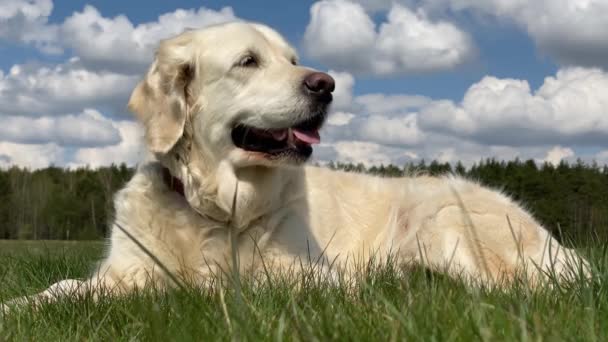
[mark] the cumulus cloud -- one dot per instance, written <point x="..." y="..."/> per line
<point x="571" y="31"/>
<point x="569" y="108"/>
<point x="437" y="147"/>
<point x="497" y="117"/>
<point x="26" y="21"/>
<point x="377" y="118"/>
<point x="379" y="5"/>
<point x="367" y="153"/>
<point x="105" y="57"/>
<point x="130" y="150"/>
<point x="601" y="157"/>
<point x="343" y="94"/>
<point x="87" y="129"/>
<point x="444" y="149"/>
<point x="101" y="43"/>
<point x="340" y="118"/>
<point x="394" y="104"/>
<point x="342" y="35"/>
<point x="396" y="131"/>
<point x="118" y="45"/>
<point x="557" y="154"/>
<point x="393" y="131"/>
<point x="37" y="90"/>
<point x="30" y="155"/>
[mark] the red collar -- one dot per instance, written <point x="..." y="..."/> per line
<point x="172" y="182"/>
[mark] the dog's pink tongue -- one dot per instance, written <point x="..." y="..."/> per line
<point x="309" y="137"/>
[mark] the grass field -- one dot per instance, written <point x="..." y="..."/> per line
<point x="389" y="304"/>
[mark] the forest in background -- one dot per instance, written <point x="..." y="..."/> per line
<point x="55" y="203"/>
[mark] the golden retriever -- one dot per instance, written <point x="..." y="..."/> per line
<point x="231" y="117"/>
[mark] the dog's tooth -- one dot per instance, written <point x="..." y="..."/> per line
<point x="279" y="135"/>
<point x="290" y="138"/>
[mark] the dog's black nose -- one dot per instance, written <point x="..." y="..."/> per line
<point x="320" y="84"/>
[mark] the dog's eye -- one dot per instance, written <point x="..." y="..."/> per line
<point x="248" y="62"/>
<point x="294" y="62"/>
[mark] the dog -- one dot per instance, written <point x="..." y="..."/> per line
<point x="230" y="118"/>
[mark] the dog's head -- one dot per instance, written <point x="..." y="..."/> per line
<point x="239" y="93"/>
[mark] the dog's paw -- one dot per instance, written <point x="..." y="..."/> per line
<point x="68" y="287"/>
<point x="14" y="304"/>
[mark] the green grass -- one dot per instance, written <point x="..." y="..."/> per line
<point x="390" y="303"/>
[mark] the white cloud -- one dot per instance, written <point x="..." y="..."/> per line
<point x="497" y="118"/>
<point x="130" y="150"/>
<point x="557" y="154"/>
<point x="117" y="44"/>
<point x="29" y="10"/>
<point x="435" y="147"/>
<point x="569" y="108"/>
<point x="101" y="43"/>
<point x="26" y="21"/>
<point x="571" y="31"/>
<point x="343" y="94"/>
<point x="343" y="36"/>
<point x="340" y="34"/>
<point x="447" y="155"/>
<point x="106" y="57"/>
<point x="502" y="118"/>
<point x="65" y="88"/>
<point x="402" y="130"/>
<point x="378" y="118"/>
<point x="87" y="129"/>
<point x="601" y="157"/>
<point x="389" y="130"/>
<point x="394" y="104"/>
<point x="340" y="118"/>
<point x="31" y="156"/>
<point x="439" y="148"/>
<point x="368" y="153"/>
<point x="378" y="5"/>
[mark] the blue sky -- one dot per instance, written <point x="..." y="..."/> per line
<point x="504" y="50"/>
<point x="435" y="79"/>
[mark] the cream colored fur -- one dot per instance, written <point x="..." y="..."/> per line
<point x="285" y="214"/>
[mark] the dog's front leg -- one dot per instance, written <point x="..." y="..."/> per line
<point x="68" y="287"/>
<point x="96" y="287"/>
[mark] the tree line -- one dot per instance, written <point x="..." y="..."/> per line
<point x="571" y="200"/>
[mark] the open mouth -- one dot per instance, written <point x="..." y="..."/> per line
<point x="292" y="141"/>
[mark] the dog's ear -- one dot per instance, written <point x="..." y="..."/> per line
<point x="162" y="100"/>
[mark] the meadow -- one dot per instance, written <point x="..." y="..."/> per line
<point x="389" y="303"/>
